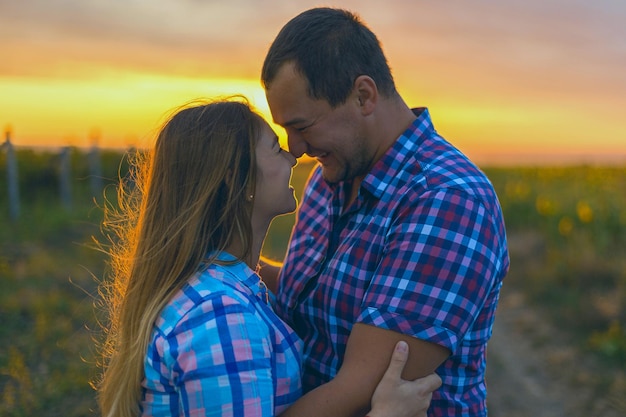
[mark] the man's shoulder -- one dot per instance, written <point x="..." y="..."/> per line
<point x="445" y="166"/>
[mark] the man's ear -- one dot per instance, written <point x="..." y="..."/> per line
<point x="366" y="94"/>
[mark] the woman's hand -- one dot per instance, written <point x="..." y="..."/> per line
<point x="395" y="397"/>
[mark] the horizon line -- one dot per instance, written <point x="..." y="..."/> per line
<point x="479" y="158"/>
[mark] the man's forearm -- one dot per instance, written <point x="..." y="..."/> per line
<point x="333" y="399"/>
<point x="269" y="271"/>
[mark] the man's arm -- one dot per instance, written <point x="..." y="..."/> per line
<point x="269" y="271"/>
<point x="396" y="397"/>
<point x="365" y="362"/>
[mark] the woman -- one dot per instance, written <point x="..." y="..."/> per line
<point x="191" y="329"/>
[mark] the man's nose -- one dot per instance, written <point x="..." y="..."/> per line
<point x="297" y="145"/>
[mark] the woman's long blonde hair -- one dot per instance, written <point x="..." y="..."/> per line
<point x="188" y="198"/>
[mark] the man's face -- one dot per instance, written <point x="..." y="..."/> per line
<point x="333" y="136"/>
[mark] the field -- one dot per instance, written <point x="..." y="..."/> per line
<point x="566" y="228"/>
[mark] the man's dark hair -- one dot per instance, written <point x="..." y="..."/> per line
<point x="331" y="48"/>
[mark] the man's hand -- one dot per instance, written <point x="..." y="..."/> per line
<point x="395" y="397"/>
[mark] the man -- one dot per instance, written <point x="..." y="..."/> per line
<point x="398" y="235"/>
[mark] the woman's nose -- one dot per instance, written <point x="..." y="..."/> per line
<point x="292" y="159"/>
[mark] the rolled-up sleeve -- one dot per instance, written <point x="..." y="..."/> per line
<point x="437" y="268"/>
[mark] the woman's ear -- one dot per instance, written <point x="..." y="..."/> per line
<point x="366" y="94"/>
<point x="229" y="184"/>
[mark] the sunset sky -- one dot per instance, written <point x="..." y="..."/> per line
<point x="504" y="80"/>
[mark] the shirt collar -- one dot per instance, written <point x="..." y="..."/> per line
<point x="403" y="151"/>
<point x="242" y="272"/>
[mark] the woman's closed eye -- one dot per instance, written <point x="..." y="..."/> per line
<point x="279" y="149"/>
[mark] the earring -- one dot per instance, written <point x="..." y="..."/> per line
<point x="251" y="197"/>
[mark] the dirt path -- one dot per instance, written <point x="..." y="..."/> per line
<point x="532" y="370"/>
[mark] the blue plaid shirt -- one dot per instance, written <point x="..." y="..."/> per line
<point x="218" y="349"/>
<point x="422" y="252"/>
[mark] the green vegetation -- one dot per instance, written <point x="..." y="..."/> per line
<point x="48" y="287"/>
<point x="567" y="229"/>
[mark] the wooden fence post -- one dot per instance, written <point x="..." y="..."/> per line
<point x="13" y="186"/>
<point x="95" y="167"/>
<point x="65" y="187"/>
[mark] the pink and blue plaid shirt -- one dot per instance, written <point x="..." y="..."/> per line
<point x="218" y="349"/>
<point x="422" y="252"/>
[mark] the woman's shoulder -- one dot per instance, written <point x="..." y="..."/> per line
<point x="214" y="292"/>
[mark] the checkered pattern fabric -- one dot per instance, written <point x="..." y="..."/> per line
<point x="422" y="251"/>
<point x="219" y="350"/>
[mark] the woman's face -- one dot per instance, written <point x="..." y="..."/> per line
<point x="273" y="195"/>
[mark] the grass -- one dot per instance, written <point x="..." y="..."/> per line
<point x="46" y="303"/>
<point x="573" y="262"/>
